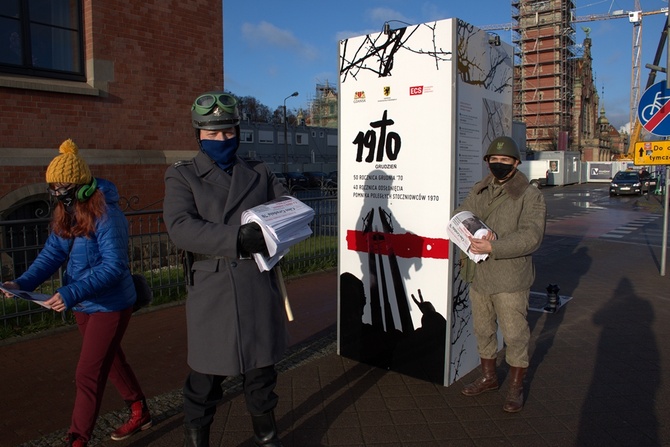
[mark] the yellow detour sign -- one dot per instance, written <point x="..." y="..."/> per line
<point x="652" y="153"/>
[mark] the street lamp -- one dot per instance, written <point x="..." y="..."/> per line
<point x="286" y="132"/>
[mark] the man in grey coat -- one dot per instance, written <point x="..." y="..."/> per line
<point x="516" y="213"/>
<point x="236" y="323"/>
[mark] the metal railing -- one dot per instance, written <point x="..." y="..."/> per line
<point x="152" y="253"/>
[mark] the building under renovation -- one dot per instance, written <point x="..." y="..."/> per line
<point x="544" y="78"/>
<point x="554" y="90"/>
<point x="323" y="108"/>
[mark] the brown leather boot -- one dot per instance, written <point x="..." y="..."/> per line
<point x="488" y="381"/>
<point x="514" y="399"/>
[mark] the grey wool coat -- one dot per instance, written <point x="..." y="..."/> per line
<point x="235" y="313"/>
<point x="519" y="223"/>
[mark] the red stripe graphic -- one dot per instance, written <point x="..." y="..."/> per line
<point x="658" y="117"/>
<point x="403" y="245"/>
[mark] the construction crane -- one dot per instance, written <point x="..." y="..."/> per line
<point x="619" y="14"/>
<point x="634" y="17"/>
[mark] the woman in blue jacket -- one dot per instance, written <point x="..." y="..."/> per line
<point x="90" y="232"/>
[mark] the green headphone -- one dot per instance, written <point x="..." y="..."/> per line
<point x="86" y="191"/>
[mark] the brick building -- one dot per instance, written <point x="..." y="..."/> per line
<point x="117" y="77"/>
<point x="544" y="76"/>
<point x="555" y="92"/>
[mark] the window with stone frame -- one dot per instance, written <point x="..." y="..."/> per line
<point x="42" y="38"/>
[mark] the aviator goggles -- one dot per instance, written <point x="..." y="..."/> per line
<point x="204" y="104"/>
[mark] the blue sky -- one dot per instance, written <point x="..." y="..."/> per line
<point x="273" y="48"/>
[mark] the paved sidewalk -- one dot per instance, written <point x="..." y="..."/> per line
<point x="596" y="376"/>
<point x="37" y="372"/>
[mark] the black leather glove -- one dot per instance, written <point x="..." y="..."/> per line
<point x="250" y="239"/>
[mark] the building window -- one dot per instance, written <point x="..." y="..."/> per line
<point x="301" y="139"/>
<point x="280" y="137"/>
<point x="265" y="137"/>
<point x="246" y="136"/>
<point x="42" y="38"/>
<point x="331" y="140"/>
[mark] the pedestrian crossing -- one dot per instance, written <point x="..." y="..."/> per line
<point x="575" y="215"/>
<point x="630" y="231"/>
<point x="613" y="225"/>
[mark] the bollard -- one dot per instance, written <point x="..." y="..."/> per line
<point x="552" y="298"/>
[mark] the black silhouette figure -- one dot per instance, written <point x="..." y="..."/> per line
<point x="386" y="342"/>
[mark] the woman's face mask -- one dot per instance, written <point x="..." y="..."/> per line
<point x="67" y="196"/>
<point x="67" y="199"/>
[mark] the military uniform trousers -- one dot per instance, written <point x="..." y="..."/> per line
<point x="509" y="310"/>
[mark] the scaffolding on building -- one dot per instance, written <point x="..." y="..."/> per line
<point x="545" y="53"/>
<point x="544" y="76"/>
<point x="323" y="108"/>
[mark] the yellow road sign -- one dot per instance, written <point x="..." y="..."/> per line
<point x="652" y="153"/>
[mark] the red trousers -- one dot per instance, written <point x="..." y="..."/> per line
<point x="101" y="357"/>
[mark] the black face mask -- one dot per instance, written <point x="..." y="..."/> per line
<point x="500" y="170"/>
<point x="68" y="200"/>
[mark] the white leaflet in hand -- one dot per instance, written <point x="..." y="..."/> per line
<point x="38" y="298"/>
<point x="464" y="225"/>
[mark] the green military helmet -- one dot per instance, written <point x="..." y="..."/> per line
<point x="215" y="111"/>
<point x="503" y="146"/>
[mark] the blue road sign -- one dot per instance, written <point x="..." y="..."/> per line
<point x="654" y="108"/>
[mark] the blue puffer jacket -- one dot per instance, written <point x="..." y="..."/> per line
<point x="97" y="278"/>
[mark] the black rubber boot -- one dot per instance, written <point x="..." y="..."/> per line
<point x="196" y="437"/>
<point x="265" y="430"/>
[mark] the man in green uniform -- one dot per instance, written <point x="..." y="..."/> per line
<point x="516" y="212"/>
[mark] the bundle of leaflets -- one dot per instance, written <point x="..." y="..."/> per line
<point x="38" y="298"/>
<point x="462" y="227"/>
<point x="285" y="222"/>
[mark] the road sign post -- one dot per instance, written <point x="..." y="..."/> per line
<point x="654" y="114"/>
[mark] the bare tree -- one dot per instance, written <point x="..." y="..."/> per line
<point x="253" y="110"/>
<point x="278" y="116"/>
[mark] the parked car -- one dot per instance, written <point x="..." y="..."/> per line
<point x="296" y="180"/>
<point x="315" y="179"/>
<point x="626" y="182"/>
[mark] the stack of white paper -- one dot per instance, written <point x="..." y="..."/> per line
<point x="285" y="222"/>
<point x="462" y="227"/>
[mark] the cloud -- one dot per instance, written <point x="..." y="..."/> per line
<point x="377" y="16"/>
<point x="381" y="15"/>
<point x="432" y="11"/>
<point x="341" y="35"/>
<point x="267" y="35"/>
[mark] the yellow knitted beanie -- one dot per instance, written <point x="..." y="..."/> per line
<point x="68" y="167"/>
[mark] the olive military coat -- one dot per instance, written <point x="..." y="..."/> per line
<point x="519" y="223"/>
<point x="235" y="314"/>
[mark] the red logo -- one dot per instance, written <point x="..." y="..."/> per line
<point x="416" y="90"/>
